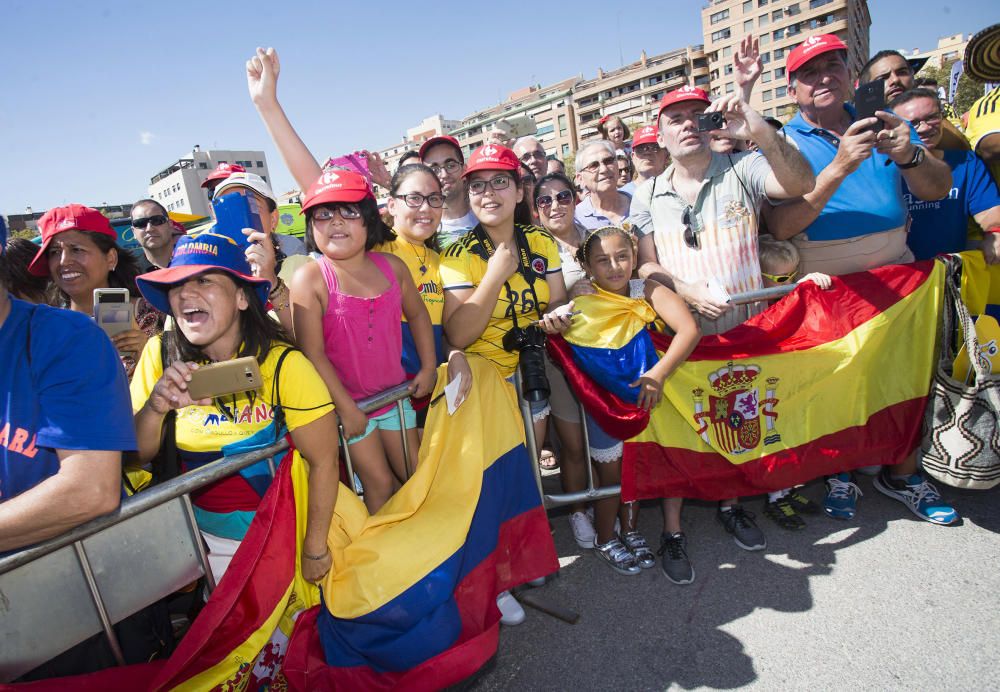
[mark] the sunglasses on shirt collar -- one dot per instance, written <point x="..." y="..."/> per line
<point x="691" y="238"/>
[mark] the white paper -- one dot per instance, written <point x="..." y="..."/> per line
<point x="718" y="291"/>
<point x="451" y="394"/>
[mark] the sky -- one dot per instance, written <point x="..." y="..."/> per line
<point x="97" y="97"/>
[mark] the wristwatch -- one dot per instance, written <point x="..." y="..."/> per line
<point x="918" y="158"/>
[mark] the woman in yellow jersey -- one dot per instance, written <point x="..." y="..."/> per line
<point x="415" y="204"/>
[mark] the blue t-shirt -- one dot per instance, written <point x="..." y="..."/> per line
<point x="72" y="394"/>
<point x="869" y="200"/>
<point x="942" y="226"/>
<point x="588" y="217"/>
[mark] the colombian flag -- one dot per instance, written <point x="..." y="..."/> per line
<point x="411" y="600"/>
<point x="822" y="381"/>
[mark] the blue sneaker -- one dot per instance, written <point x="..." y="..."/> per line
<point x="919" y="495"/>
<point x="841" y="496"/>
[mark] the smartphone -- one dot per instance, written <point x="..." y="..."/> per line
<point x="233" y="213"/>
<point x="711" y="121"/>
<point x="520" y="126"/>
<point x="868" y="98"/>
<point x="113" y="310"/>
<point x="228" y="377"/>
<point x="356" y="163"/>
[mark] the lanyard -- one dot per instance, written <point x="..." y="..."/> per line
<point x="524" y="266"/>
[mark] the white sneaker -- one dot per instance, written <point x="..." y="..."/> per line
<point x="511" y="612"/>
<point x="583" y="529"/>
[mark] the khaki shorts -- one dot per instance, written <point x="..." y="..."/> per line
<point x="564" y="404"/>
<point x="850" y="255"/>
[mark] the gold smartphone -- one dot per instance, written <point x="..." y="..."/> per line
<point x="228" y="377"/>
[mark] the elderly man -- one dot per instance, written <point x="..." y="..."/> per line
<point x="532" y="154"/>
<point x="443" y="155"/>
<point x="699" y="224"/>
<point x="64" y="416"/>
<point x="855" y="219"/>
<point x="942" y="226"/>
<point x="155" y="233"/>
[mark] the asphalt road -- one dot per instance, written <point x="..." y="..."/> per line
<point x="882" y="602"/>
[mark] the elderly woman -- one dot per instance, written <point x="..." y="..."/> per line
<point x="597" y="173"/>
<point x="80" y="253"/>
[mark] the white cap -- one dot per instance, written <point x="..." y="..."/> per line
<point x="248" y="180"/>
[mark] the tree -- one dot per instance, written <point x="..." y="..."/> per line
<point x="969" y="89"/>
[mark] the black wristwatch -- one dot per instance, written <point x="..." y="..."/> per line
<point x="918" y="158"/>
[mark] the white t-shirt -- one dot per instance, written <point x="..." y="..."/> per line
<point x="451" y="230"/>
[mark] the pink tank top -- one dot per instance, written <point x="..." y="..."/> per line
<point x="363" y="336"/>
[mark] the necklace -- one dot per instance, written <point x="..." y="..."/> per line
<point x="422" y="260"/>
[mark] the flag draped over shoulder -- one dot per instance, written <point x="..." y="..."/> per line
<point x="823" y="381"/>
<point x="411" y="600"/>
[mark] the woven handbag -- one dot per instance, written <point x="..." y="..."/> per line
<point x="961" y="440"/>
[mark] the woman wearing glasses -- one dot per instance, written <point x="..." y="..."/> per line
<point x="597" y="171"/>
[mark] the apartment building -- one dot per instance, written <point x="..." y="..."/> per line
<point x="633" y="92"/>
<point x="949" y="49"/>
<point x="178" y="186"/>
<point x="431" y="126"/>
<point x="780" y="25"/>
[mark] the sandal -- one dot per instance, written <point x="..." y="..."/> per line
<point x="547" y="460"/>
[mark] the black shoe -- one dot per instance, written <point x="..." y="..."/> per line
<point x="802" y="504"/>
<point x="674" y="563"/>
<point x="782" y="513"/>
<point x="739" y="522"/>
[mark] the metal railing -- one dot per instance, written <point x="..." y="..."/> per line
<point x="591" y="493"/>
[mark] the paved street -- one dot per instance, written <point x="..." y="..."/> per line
<point x="882" y="602"/>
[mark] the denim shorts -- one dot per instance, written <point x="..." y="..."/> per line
<point x="388" y="421"/>
<point x="603" y="447"/>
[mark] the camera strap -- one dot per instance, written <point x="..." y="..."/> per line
<point x="523" y="266"/>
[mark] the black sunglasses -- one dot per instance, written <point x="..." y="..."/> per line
<point x="690" y="235"/>
<point x="545" y="201"/>
<point x="157" y="220"/>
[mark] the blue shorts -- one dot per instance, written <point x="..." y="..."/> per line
<point x="389" y="421"/>
<point x="603" y="447"/>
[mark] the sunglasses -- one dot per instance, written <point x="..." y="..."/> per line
<point x="415" y="200"/>
<point x="780" y="278"/>
<point x="496" y="183"/>
<point x="690" y="234"/>
<point x="156" y="220"/>
<point x="347" y="212"/>
<point x="610" y="162"/>
<point x="646" y="149"/>
<point x="545" y="201"/>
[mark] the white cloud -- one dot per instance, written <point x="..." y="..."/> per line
<point x="146" y="137"/>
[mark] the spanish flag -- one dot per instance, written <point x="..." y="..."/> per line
<point x="821" y="382"/>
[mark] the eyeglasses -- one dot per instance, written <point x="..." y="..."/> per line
<point x="536" y="154"/>
<point x="932" y="120"/>
<point x="690" y="234"/>
<point x="347" y="213"/>
<point x="610" y="162"/>
<point x="780" y="278"/>
<point x="646" y="149"/>
<point x="496" y="183"/>
<point x="450" y="166"/>
<point x="415" y="200"/>
<point x="545" y="201"/>
<point x="156" y="220"/>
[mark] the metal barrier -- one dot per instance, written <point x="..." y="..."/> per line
<point x="591" y="493"/>
<point x="373" y="403"/>
<point x="83" y="582"/>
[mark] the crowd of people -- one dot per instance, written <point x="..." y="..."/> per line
<point x="475" y="255"/>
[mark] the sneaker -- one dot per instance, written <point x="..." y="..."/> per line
<point x="617" y="556"/>
<point x="841" y="496"/>
<point x="674" y="558"/>
<point x="801" y="503"/>
<point x="583" y="529"/>
<point x="919" y="495"/>
<point x="637" y="545"/>
<point x="740" y="524"/>
<point x="511" y="612"/>
<point x="782" y="513"/>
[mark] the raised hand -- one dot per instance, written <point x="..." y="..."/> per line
<point x="262" y="76"/>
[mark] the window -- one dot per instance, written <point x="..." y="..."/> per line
<point x="776" y="15"/>
<point x="769" y="112"/>
<point x="748" y="6"/>
<point x="779" y="34"/>
<point x="545" y="129"/>
<point x="730" y="87"/>
<point x="727" y="51"/>
<point x="794" y="29"/>
<point x="202" y="165"/>
<point x="766" y="57"/>
<point x="779" y="72"/>
<point x="727" y="69"/>
<point x="813" y="4"/>
<point x="264" y="178"/>
<point x="565" y="150"/>
<point x="767" y="95"/>
<point x="761" y="3"/>
<point x="721" y="34"/>
<point x="719" y="17"/>
<point x="260" y="164"/>
<point x="763" y="20"/>
<point x="765" y="77"/>
<point x="779" y="53"/>
<point x="793" y="9"/>
<point x="562" y="125"/>
<point x="780" y="92"/>
<point x="748" y="26"/>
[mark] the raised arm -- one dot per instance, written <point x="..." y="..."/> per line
<point x="262" y="82"/>
<point x="931" y="178"/>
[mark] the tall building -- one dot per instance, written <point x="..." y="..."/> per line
<point x="780" y="25"/>
<point x="178" y="186"/>
<point x="633" y="92"/>
<point x="431" y="126"/>
<point x="551" y="108"/>
<point x="949" y="49"/>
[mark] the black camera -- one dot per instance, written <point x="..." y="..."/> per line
<point x="711" y="121"/>
<point x="529" y="342"/>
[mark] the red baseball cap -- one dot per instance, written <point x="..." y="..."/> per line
<point x="685" y="93"/>
<point x="492" y="157"/>
<point x="336" y="186"/>
<point x="645" y="135"/>
<point x="809" y="49"/>
<point x="223" y="171"/>
<point x="441" y="139"/>
<point x="72" y="217"/>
